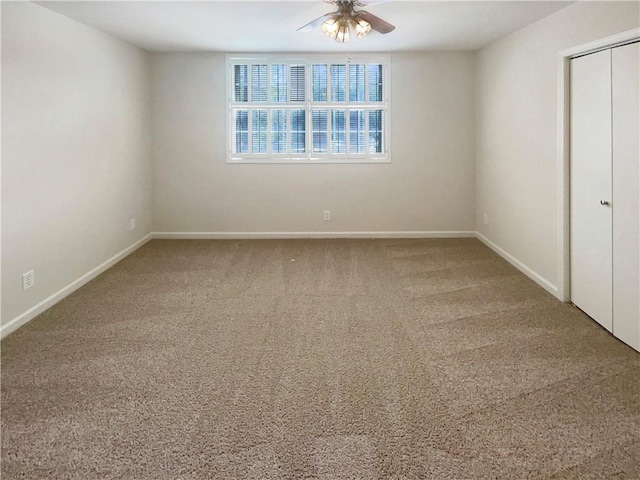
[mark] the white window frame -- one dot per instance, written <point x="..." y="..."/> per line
<point x="308" y="105"/>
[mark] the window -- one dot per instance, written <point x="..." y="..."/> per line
<point x="309" y="110"/>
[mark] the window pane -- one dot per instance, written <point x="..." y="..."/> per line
<point x="319" y="126"/>
<point x="272" y="111"/>
<point x="356" y="83"/>
<point x="298" y="131"/>
<point x="297" y="89"/>
<point x="376" y="126"/>
<point x="319" y="79"/>
<point x="240" y="83"/>
<point x="279" y="83"/>
<point x="259" y="131"/>
<point x="240" y="131"/>
<point x="258" y="83"/>
<point x="375" y="83"/>
<point x="279" y="131"/>
<point x="338" y="83"/>
<point x="338" y="131"/>
<point x="357" y="131"/>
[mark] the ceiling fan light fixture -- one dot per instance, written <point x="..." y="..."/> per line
<point x="331" y="26"/>
<point x="340" y="24"/>
<point x="342" y="35"/>
<point x="360" y="26"/>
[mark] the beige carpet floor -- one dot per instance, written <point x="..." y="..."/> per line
<point x="328" y="359"/>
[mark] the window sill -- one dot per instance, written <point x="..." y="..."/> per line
<point x="307" y="161"/>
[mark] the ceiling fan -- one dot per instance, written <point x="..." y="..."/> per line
<point x="338" y="24"/>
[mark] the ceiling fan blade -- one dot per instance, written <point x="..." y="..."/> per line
<point x="368" y="3"/>
<point x="311" y="25"/>
<point x="377" y="23"/>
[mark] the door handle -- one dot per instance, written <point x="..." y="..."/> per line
<point x="604" y="202"/>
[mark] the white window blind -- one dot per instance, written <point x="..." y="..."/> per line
<point x="308" y="110"/>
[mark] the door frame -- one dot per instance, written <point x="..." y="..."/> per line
<point x="564" y="157"/>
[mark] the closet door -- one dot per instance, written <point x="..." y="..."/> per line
<point x="591" y="176"/>
<point x="625" y="74"/>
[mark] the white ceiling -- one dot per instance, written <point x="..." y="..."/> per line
<point x="267" y="26"/>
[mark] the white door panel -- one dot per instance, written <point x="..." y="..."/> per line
<point x="625" y="76"/>
<point x="591" y="222"/>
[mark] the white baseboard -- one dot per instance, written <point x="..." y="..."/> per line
<point x="539" y="279"/>
<point x="285" y="235"/>
<point x="36" y="310"/>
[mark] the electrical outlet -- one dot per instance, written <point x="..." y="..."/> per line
<point x="28" y="280"/>
<point x="485" y="218"/>
<point x="327" y="215"/>
<point x="132" y="224"/>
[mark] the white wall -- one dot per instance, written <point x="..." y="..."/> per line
<point x="516" y="119"/>
<point x="429" y="186"/>
<point x="76" y="153"/>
